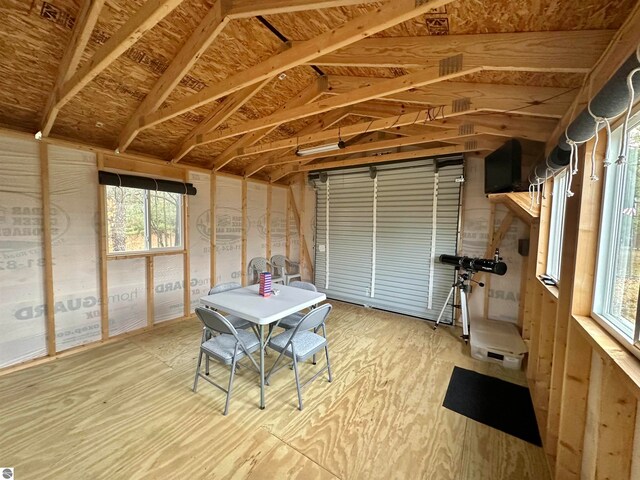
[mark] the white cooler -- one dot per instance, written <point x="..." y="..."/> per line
<point x="498" y="342"/>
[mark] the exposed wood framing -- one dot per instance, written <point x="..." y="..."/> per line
<point x="525" y="100"/>
<point x="615" y="428"/>
<point x="389" y="14"/>
<point x="438" y="136"/>
<point x="303" y="242"/>
<point x="490" y="234"/>
<point x="250" y="8"/>
<point x="575" y="389"/>
<point x="245" y="222"/>
<point x="187" y="254"/>
<point x="102" y="242"/>
<point x="406" y="82"/>
<point x="323" y="123"/>
<point x="46" y="249"/>
<point x="412" y="154"/>
<point x="205" y="33"/>
<point x="335" y="133"/>
<point x="212" y="229"/>
<point x="268" y="221"/>
<point x="309" y="94"/>
<point x="519" y="203"/>
<point x="528" y="51"/>
<point x="85" y="21"/>
<point x="288" y="225"/>
<point x="518" y="126"/>
<point x="228" y="107"/>
<point x="149" y="283"/>
<point x="305" y="256"/>
<point x="624" y="44"/>
<point x="144" y="19"/>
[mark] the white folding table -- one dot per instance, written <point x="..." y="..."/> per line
<point x="248" y="304"/>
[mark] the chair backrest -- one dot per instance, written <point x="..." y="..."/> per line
<point x="280" y="263"/>
<point x="256" y="266"/>
<point x="314" y="318"/>
<point x="304" y="285"/>
<point x="224" y="287"/>
<point x="214" y="321"/>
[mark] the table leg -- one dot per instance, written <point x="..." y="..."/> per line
<point x="261" y="335"/>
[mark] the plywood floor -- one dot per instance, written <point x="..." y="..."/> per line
<point x="126" y="411"/>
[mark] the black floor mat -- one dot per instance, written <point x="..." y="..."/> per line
<point x="494" y="402"/>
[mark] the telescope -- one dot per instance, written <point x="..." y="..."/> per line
<point x="489" y="265"/>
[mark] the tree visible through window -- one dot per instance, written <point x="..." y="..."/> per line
<point x="139" y="220"/>
<point x="618" y="276"/>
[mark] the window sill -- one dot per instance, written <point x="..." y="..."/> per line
<point x="552" y="289"/>
<point x="156" y="253"/>
<point x="612" y="352"/>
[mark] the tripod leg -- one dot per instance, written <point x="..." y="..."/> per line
<point x="464" y="307"/>
<point x="446" y="303"/>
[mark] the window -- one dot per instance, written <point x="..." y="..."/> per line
<point x="140" y="220"/>
<point x="556" y="229"/>
<point x="618" y="274"/>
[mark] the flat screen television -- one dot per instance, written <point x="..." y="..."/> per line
<point x="502" y="168"/>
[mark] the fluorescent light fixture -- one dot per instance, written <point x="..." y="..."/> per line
<point x="330" y="147"/>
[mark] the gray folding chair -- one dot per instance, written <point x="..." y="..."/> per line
<point x="228" y="348"/>
<point x="301" y="343"/>
<point x="285" y="268"/>
<point x="237" y="322"/>
<point x="256" y="266"/>
<point x="291" y="321"/>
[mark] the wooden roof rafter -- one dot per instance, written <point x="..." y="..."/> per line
<point x="469" y="146"/>
<point x="624" y="43"/>
<point x="389" y="14"/>
<point x="462" y="129"/>
<point x="84" y="24"/>
<point x="523" y="51"/>
<point x="322" y="123"/>
<point x="141" y="22"/>
<point x="228" y="107"/>
<point x="526" y="100"/>
<point x="205" y="33"/>
<point x="309" y="94"/>
<point x="426" y="76"/>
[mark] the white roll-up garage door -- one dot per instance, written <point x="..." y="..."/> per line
<point x="378" y="239"/>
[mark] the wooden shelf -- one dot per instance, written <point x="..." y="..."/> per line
<point x="519" y="203"/>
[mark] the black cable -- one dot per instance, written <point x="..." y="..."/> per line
<point x="284" y="39"/>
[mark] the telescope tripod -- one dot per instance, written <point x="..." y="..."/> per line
<point x="462" y="284"/>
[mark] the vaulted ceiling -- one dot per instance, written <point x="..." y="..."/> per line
<point x="238" y="85"/>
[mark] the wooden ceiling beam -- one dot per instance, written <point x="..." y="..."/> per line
<point x="462" y="129"/>
<point x="570" y="51"/>
<point x="251" y="8"/>
<point x="328" y="135"/>
<point x="424" y="77"/>
<point x="526" y="100"/>
<point x="372" y="146"/>
<point x="217" y="117"/>
<point x="309" y="94"/>
<point x="389" y="14"/>
<point x="622" y="46"/>
<point x="470" y="146"/>
<point x="509" y="125"/>
<point x="202" y="37"/>
<point x="318" y="125"/>
<point x="142" y="21"/>
<point x="85" y="22"/>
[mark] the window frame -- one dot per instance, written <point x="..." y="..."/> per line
<point x="556" y="225"/>
<point x="148" y="250"/>
<point x="612" y="197"/>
